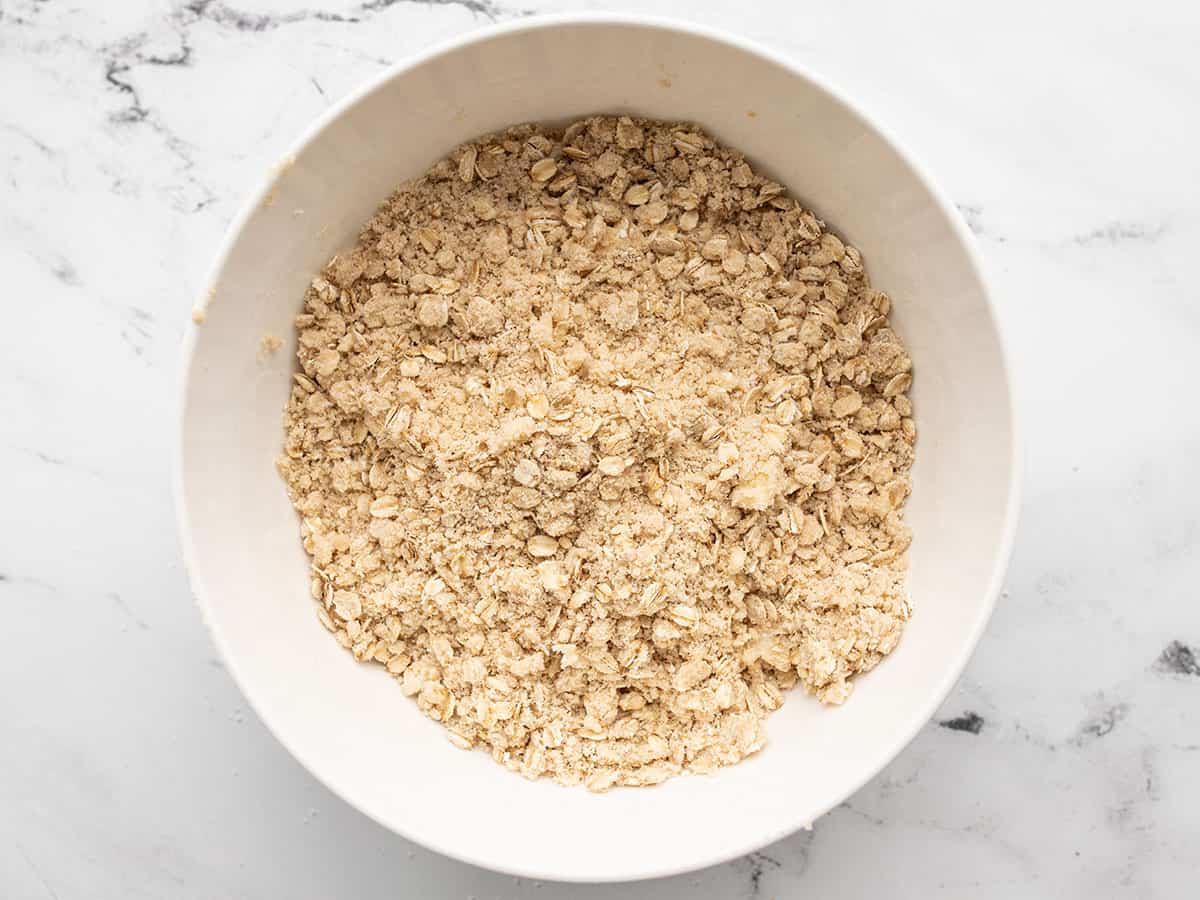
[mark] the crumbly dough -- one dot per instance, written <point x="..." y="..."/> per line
<point x="268" y="344"/>
<point x="600" y="443"/>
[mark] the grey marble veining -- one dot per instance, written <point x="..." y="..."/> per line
<point x="1066" y="762"/>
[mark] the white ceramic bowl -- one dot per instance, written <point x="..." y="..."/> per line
<point x="349" y="724"/>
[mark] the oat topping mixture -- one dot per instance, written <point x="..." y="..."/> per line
<point x="600" y="445"/>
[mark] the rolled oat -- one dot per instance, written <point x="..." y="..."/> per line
<point x="599" y="446"/>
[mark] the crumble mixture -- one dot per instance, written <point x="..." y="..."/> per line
<point x="600" y="443"/>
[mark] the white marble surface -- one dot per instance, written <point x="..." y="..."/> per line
<point x="1068" y="134"/>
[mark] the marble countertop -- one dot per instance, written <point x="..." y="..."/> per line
<point x="1066" y="763"/>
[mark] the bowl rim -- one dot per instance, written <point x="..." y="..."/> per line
<point x="923" y="711"/>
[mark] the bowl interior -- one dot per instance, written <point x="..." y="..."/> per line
<point x="349" y="724"/>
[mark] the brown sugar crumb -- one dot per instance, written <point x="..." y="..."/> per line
<point x="600" y="443"/>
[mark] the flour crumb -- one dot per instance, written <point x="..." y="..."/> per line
<point x="268" y="344"/>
